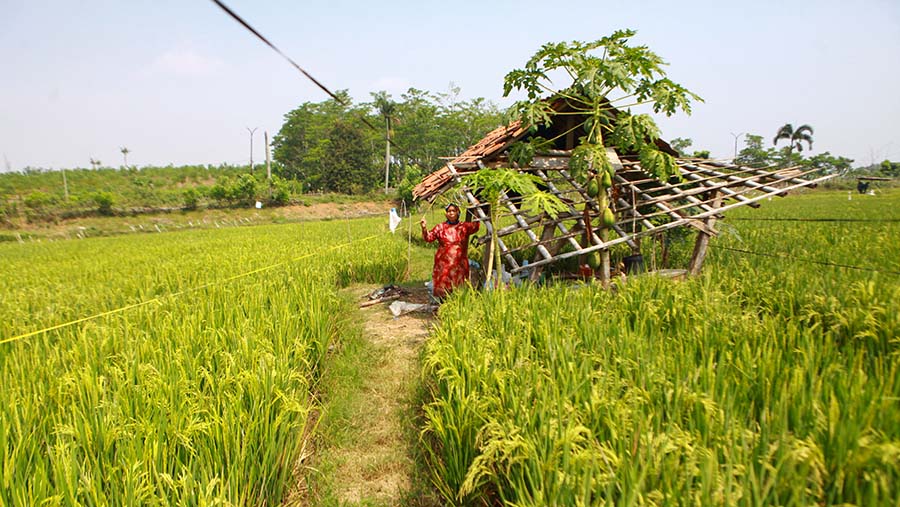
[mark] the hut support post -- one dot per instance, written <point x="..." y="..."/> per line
<point x="546" y="235"/>
<point x="702" y="243"/>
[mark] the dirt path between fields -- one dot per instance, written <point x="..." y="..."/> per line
<point x="376" y="466"/>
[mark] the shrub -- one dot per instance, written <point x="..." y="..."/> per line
<point x="219" y="192"/>
<point x="104" y="202"/>
<point x="39" y="200"/>
<point x="190" y="198"/>
<point x="244" y="189"/>
<point x="280" y="192"/>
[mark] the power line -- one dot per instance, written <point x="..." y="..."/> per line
<point x="159" y="299"/>
<point x="286" y="57"/>
<point x="309" y="76"/>
<point x="789" y="219"/>
<point x="807" y="260"/>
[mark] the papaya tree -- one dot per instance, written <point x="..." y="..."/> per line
<point x="602" y="81"/>
<point x="606" y="78"/>
<point x="491" y="185"/>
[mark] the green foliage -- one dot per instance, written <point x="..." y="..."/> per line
<point x="586" y="158"/>
<point x="701" y="154"/>
<point x="244" y="189"/>
<point x="348" y="168"/>
<point x="148" y="188"/>
<point x="220" y="192"/>
<point x="491" y="185"/>
<point x="423" y="127"/>
<point x="410" y="179"/>
<point x="280" y="191"/>
<point x="191" y="198"/>
<point x="521" y="153"/>
<point x="598" y="70"/>
<point x="889" y="169"/>
<point x="825" y="163"/>
<point x="665" y="164"/>
<point x="681" y="145"/>
<point x="104" y="202"/>
<point x="754" y="154"/>
<point x="39" y="200"/>
<point x="794" y="138"/>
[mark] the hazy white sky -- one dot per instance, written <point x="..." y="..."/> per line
<point x="177" y="81"/>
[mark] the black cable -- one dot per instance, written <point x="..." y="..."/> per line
<point x="855" y="220"/>
<point x="309" y="76"/>
<point x="811" y="261"/>
<point x="259" y="35"/>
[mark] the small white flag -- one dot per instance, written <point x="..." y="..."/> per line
<point x="393" y="219"/>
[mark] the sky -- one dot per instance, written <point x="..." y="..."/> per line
<point x="179" y="82"/>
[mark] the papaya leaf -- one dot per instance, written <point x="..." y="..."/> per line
<point x="521" y="153"/>
<point x="545" y="202"/>
<point x="658" y="163"/>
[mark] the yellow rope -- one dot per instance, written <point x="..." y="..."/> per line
<point x="174" y="294"/>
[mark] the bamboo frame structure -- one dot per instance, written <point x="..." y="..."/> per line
<point x="643" y="205"/>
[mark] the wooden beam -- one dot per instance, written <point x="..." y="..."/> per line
<point x="702" y="242"/>
<point x="486" y="220"/>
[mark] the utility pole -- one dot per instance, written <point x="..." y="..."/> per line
<point x="387" y="152"/>
<point x="65" y="185"/>
<point x="736" y="137"/>
<point x="268" y="162"/>
<point x="251" y="146"/>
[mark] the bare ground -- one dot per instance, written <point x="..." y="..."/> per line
<point x="374" y="465"/>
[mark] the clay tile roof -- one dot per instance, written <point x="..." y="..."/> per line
<point x="494" y="142"/>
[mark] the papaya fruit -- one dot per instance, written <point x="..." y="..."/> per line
<point x="594" y="260"/>
<point x="593" y="188"/>
<point x="608" y="219"/>
<point x="606" y="180"/>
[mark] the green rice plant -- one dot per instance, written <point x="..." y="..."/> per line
<point x="765" y="381"/>
<point x="200" y="397"/>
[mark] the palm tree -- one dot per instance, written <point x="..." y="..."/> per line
<point x="125" y="151"/>
<point x="794" y="138"/>
<point x="386" y="108"/>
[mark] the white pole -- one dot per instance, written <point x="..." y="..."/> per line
<point x="268" y="163"/>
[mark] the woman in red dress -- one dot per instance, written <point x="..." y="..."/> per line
<point x="451" y="261"/>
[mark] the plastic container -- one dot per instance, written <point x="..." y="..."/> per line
<point x="634" y="264"/>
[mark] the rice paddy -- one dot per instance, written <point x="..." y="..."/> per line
<point x="771" y="379"/>
<point x="200" y="397"/>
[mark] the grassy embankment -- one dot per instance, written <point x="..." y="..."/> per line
<point x="34" y="205"/>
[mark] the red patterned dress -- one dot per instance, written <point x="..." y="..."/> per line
<point x="451" y="261"/>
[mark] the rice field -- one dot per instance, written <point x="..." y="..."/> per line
<point x="197" y="395"/>
<point x="772" y="379"/>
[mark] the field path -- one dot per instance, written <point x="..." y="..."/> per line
<point x="374" y="464"/>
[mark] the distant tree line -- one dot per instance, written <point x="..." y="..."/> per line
<point x="333" y="146"/>
<point x="793" y="141"/>
<point x="756" y="154"/>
